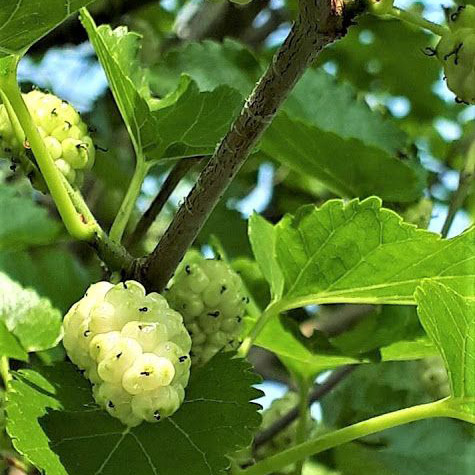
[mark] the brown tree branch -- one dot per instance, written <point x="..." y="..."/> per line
<point x="320" y="22"/>
<point x="176" y="174"/>
<point x="317" y="393"/>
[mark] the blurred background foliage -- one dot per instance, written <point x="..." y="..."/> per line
<point x="375" y="95"/>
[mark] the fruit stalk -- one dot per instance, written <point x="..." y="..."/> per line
<point x="418" y="21"/>
<point x="127" y="206"/>
<point x="71" y="218"/>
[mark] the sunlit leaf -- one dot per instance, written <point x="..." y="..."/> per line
<point x="22" y="23"/>
<point x="33" y="320"/>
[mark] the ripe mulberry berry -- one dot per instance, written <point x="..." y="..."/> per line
<point x="132" y="347"/>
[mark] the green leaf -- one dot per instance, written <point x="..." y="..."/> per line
<point x="24" y="23"/>
<point x="449" y="319"/>
<point x="262" y="238"/>
<point x="386" y="56"/>
<point x="359" y="252"/>
<point x="28" y="397"/>
<point x="67" y="280"/>
<point x="195" y="123"/>
<point x="117" y="50"/>
<point x="210" y="64"/>
<point x="381" y="327"/>
<point x="332" y="106"/>
<point x="223" y="219"/>
<point x="9" y="346"/>
<point x="22" y="222"/>
<point x="277" y="337"/>
<point x="215" y="420"/>
<point x="33" y="320"/>
<point x="185" y="123"/>
<point x="347" y="166"/>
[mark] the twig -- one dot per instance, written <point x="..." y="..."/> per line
<point x="114" y="255"/>
<point x="180" y="169"/>
<point x="320" y="22"/>
<point x="465" y="183"/>
<point x="317" y="393"/>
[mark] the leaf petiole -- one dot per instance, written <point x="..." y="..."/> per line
<point x="121" y="220"/>
<point x="272" y="309"/>
<point x="5" y="370"/>
<point x="348" y="434"/>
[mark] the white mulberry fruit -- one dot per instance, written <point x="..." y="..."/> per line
<point x="456" y="51"/>
<point x="134" y="349"/>
<point x="211" y="298"/>
<point x="65" y="135"/>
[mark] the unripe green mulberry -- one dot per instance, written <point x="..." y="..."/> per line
<point x="134" y="349"/>
<point x="456" y="51"/>
<point x="283" y="440"/>
<point x="64" y="133"/>
<point x="210" y="296"/>
<point x="287" y="437"/>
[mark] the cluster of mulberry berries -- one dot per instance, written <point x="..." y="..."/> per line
<point x="456" y="51"/>
<point x="210" y="296"/>
<point x="134" y="349"/>
<point x="64" y="133"/>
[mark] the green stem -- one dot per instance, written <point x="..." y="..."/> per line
<point x="348" y="434"/>
<point x="418" y="20"/>
<point x="302" y="428"/>
<point x="127" y="206"/>
<point x="78" y="201"/>
<point x="272" y="309"/>
<point x="5" y="370"/>
<point x="112" y="253"/>
<point x="71" y="218"/>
